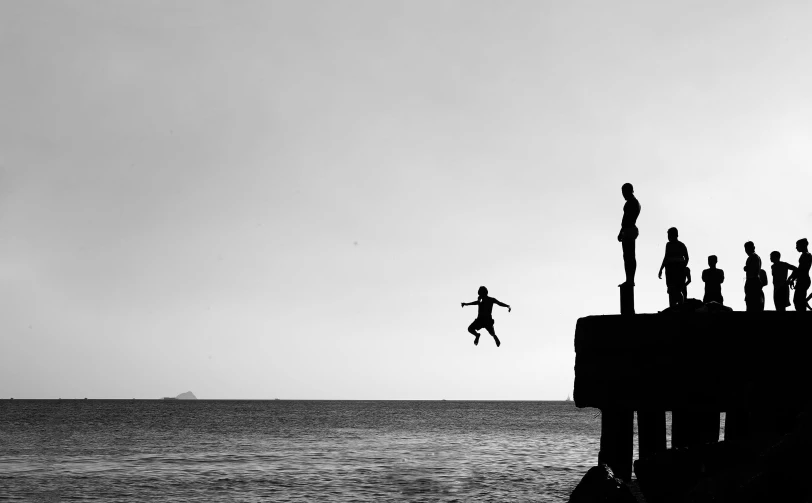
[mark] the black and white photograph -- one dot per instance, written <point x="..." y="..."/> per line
<point x="405" y="251"/>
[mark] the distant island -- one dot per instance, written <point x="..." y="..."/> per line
<point x="183" y="396"/>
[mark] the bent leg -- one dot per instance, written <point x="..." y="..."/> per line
<point x="491" y="331"/>
<point x="472" y="328"/>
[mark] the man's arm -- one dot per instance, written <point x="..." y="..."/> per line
<point x="662" y="266"/>
<point x="474" y="303"/>
<point x="501" y="304"/>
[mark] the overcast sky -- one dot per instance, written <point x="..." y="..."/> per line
<point x="290" y="199"/>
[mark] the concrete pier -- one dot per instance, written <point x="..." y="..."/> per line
<point x="695" y="365"/>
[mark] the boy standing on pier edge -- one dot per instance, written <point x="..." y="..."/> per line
<point x="713" y="279"/>
<point x="628" y="232"/>
<point x="674" y="262"/>
<point x="780" y="285"/>
<point x="800" y="276"/>
<point x="753" y="294"/>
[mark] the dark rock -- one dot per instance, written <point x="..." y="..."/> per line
<point x="671" y="475"/>
<point x="600" y="485"/>
<point x="689" y="306"/>
<point x="714" y="307"/>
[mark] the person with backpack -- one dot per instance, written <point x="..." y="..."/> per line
<point x="755" y="280"/>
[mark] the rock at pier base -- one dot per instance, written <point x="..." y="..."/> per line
<point x="600" y="485"/>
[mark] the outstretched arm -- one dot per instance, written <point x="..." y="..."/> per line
<point x="463" y="304"/>
<point x="501" y="304"/>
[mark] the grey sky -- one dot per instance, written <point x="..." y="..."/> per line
<point x="290" y="199"/>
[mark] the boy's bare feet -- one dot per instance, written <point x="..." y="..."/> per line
<point x="476" y="340"/>
<point x="497" y="341"/>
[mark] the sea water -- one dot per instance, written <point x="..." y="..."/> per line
<point x="291" y="451"/>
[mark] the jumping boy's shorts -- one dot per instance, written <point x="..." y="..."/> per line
<point x="480" y="323"/>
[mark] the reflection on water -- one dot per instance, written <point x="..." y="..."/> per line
<point x="294" y="450"/>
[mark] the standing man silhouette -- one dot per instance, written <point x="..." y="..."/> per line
<point x="484" y="317"/>
<point x="713" y="279"/>
<point x="674" y="262"/>
<point x="780" y="285"/>
<point x="800" y="276"/>
<point x="753" y="293"/>
<point x="628" y="232"/>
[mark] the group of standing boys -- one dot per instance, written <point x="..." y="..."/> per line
<point x="678" y="275"/>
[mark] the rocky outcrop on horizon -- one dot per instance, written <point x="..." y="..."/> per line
<point x="186" y="396"/>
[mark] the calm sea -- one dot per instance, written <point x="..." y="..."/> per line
<point x="285" y="451"/>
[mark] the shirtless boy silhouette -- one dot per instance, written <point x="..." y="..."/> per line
<point x="780" y="284"/>
<point x="484" y="318"/>
<point x="674" y="262"/>
<point x="713" y="279"/>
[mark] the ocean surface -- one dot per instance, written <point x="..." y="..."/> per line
<point x="294" y="451"/>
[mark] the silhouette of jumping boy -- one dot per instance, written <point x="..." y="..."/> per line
<point x="484" y="318"/>
<point x="713" y="279"/>
<point x="674" y="262"/>
<point x="780" y="284"/>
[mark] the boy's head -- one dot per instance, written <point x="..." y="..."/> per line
<point x="801" y="245"/>
<point x="627" y="190"/>
<point x="775" y="256"/>
<point x="712" y="260"/>
<point x="673" y="234"/>
<point x="482" y="291"/>
<point x="749" y="248"/>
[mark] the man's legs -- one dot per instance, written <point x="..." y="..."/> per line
<point x="754" y="299"/>
<point x="799" y="299"/>
<point x="674" y="296"/>
<point x="629" y="260"/>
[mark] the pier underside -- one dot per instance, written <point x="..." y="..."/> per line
<point x="696" y="365"/>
